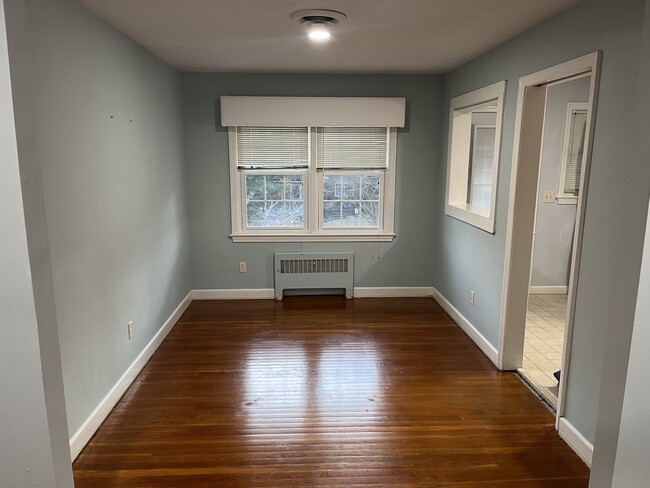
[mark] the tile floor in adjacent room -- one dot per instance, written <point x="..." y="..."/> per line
<point x="545" y="325"/>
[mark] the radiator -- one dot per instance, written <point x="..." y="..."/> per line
<point x="314" y="271"/>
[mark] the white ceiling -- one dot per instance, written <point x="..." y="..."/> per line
<point x="380" y="36"/>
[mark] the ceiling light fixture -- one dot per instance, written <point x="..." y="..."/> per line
<point x="318" y="23"/>
<point x="319" y="33"/>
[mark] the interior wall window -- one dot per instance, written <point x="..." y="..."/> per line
<point x="323" y="183"/>
<point x="473" y="156"/>
<point x="573" y="153"/>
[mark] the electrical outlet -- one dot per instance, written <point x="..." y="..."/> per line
<point x="548" y="197"/>
<point x="471" y="297"/>
<point x="131" y="330"/>
<point x="242" y="267"/>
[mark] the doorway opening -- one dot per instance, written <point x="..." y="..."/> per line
<point x="556" y="111"/>
<point x="561" y="160"/>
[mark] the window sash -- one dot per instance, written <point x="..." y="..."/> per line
<point x="341" y="228"/>
<point x="260" y="148"/>
<point x="244" y="200"/>
<point x="352" y="148"/>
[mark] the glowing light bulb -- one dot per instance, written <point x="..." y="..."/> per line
<point x="319" y="33"/>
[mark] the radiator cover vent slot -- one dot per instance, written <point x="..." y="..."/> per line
<point x="302" y="266"/>
<point x="314" y="271"/>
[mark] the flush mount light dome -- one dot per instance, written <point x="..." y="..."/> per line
<point x="318" y="23"/>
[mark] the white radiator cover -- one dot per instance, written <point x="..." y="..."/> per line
<point x="313" y="271"/>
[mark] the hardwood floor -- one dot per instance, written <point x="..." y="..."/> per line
<point x="325" y="392"/>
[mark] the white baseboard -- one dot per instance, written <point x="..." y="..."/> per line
<point x="95" y="419"/>
<point x="268" y="293"/>
<point x="488" y="349"/>
<point x="389" y="291"/>
<point x="548" y="290"/>
<point x="234" y="294"/>
<point x="576" y="441"/>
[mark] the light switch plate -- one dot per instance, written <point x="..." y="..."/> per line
<point x="548" y="197"/>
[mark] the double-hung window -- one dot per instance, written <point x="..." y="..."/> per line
<point x="272" y="163"/>
<point x="312" y="182"/>
<point x="573" y="153"/>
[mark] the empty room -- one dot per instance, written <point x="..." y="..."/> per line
<point x="292" y="243"/>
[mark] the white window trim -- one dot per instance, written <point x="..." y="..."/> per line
<point x="562" y="198"/>
<point x="478" y="217"/>
<point x="312" y="203"/>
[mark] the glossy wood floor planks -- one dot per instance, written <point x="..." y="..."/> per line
<point x="325" y="392"/>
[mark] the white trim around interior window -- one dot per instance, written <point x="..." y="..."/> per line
<point x="313" y="230"/>
<point x="456" y="201"/>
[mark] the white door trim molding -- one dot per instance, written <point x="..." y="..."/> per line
<point x="510" y="352"/>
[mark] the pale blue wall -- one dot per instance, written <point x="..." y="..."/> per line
<point x="619" y="383"/>
<point x="110" y="139"/>
<point x="407" y="261"/>
<point x="472" y="259"/>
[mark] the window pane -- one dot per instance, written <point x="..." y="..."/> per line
<point x="351" y="187"/>
<point x="359" y="200"/>
<point x="332" y="189"/>
<point x="350" y="214"/>
<point x="294" y="188"/>
<point x="255" y="214"/>
<point x="369" y="214"/>
<point x="370" y="188"/>
<point x="294" y="214"/>
<point x="482" y="162"/>
<point x="255" y="187"/>
<point x="332" y="214"/>
<point x="274" y="201"/>
<point x="275" y="187"/>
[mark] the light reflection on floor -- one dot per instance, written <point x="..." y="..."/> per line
<point x="302" y="395"/>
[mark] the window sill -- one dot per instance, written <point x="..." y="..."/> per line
<point x="471" y="215"/>
<point x="312" y="238"/>
<point x="570" y="200"/>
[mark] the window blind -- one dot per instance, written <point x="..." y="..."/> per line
<point x="272" y="147"/>
<point x="575" y="152"/>
<point x="352" y="148"/>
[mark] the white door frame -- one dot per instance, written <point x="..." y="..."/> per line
<point x="517" y="267"/>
